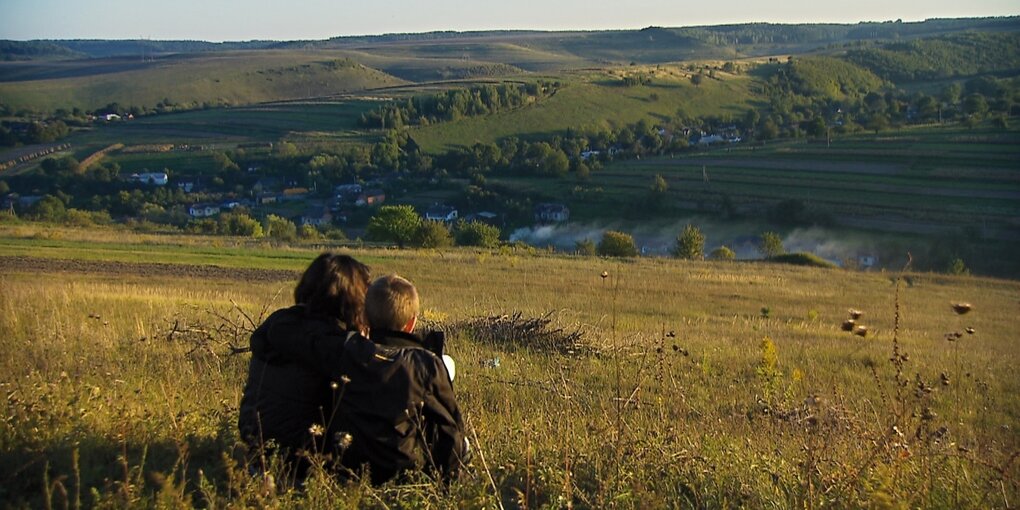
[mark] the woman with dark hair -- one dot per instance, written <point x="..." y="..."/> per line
<point x="286" y="406"/>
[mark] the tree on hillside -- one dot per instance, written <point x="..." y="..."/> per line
<point x="690" y="244"/>
<point x="617" y="244"/>
<point x="770" y="245"/>
<point x="659" y="185"/>
<point x="696" y="79"/>
<point x="50" y="208"/>
<point x="394" y="223"/>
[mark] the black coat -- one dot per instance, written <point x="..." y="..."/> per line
<point x="282" y="398"/>
<point x="396" y="408"/>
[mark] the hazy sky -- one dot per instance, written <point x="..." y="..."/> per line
<point x="232" y="20"/>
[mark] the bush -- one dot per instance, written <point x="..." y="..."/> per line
<point x="433" y="234"/>
<point x="237" y="224"/>
<point x="476" y="233"/>
<point x="280" y="229"/>
<point x="617" y="244"/>
<point x="49" y="208"/>
<point x="309" y="233"/>
<point x="802" y="259"/>
<point x="585" y="248"/>
<point x="722" y="253"/>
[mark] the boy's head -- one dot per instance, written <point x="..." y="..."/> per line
<point x="392" y="303"/>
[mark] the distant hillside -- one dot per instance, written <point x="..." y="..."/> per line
<point x="827" y="77"/>
<point x="35" y="50"/>
<point x="206" y="79"/>
<point x="965" y="54"/>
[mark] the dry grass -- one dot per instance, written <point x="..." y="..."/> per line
<point x="686" y="406"/>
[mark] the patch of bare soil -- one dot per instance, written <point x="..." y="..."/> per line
<point x="23" y="264"/>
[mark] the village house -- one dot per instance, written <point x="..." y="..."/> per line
<point x="203" y="210"/>
<point x="551" y="212"/>
<point x="267" y="198"/>
<point x="441" y="213"/>
<point x="371" y="197"/>
<point x="348" y="193"/>
<point x="317" y="216"/>
<point x="152" y="178"/>
<point x="486" y="217"/>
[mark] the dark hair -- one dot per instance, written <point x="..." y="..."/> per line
<point x="334" y="286"/>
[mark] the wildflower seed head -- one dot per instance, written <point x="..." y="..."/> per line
<point x="970" y="331"/>
<point x="848" y="325"/>
<point x="316" y="430"/>
<point x="344" y="379"/>
<point x="855" y="314"/>
<point x="961" y="308"/>
<point x="861" y="331"/>
<point x="605" y="274"/>
<point x="343" y="439"/>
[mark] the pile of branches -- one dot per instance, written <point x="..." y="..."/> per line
<point x="515" y="331"/>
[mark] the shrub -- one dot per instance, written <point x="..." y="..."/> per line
<point x="802" y="259"/>
<point x="585" y="248"/>
<point x="433" y="234"/>
<point x="476" y="234"/>
<point x="722" y="253"/>
<point x="617" y="244"/>
<point x="280" y="229"/>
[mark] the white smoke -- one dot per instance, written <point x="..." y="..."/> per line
<point x="659" y="238"/>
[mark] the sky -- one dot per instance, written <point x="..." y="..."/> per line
<point x="242" y="20"/>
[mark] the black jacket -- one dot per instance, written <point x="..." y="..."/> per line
<point x="396" y="408"/>
<point x="282" y="398"/>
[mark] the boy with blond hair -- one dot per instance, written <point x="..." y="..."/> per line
<point x="394" y="405"/>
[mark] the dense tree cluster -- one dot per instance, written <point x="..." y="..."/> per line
<point x="456" y="103"/>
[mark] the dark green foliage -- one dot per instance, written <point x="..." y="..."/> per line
<point x="433" y="234"/>
<point x="454" y="104"/>
<point x="49" y="208"/>
<point x="801" y="259"/>
<point x="962" y="54"/>
<point x="476" y="233"/>
<point x="617" y="244"/>
<point x="397" y="224"/>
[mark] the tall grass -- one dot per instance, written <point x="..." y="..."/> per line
<point x="123" y="391"/>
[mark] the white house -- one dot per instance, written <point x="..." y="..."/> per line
<point x="156" y="178"/>
<point x="439" y="212"/>
<point x="203" y="210"/>
<point x="551" y="212"/>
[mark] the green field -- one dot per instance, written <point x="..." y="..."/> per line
<point x="675" y="400"/>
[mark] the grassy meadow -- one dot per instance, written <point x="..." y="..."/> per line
<point x="692" y="384"/>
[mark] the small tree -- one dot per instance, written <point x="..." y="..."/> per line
<point x="238" y="224"/>
<point x="617" y="244"/>
<point x="958" y="267"/>
<point x="722" y="253"/>
<point x="690" y="244"/>
<point x="659" y="185"/>
<point x="771" y="245"/>
<point x="309" y="233"/>
<point x="433" y="234"/>
<point x="50" y="208"/>
<point x="585" y="248"/>
<point x="476" y="233"/>
<point x="280" y="229"/>
<point x="394" y="223"/>
<point x="4" y="188"/>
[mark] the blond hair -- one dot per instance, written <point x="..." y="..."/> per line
<point x="390" y="303"/>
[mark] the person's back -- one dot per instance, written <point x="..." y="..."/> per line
<point x="397" y="402"/>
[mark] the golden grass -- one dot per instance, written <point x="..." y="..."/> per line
<point x="93" y="364"/>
